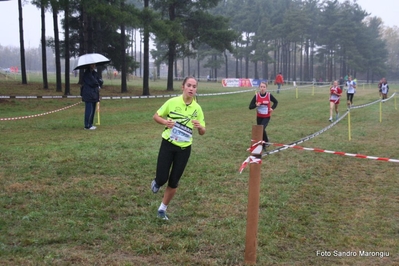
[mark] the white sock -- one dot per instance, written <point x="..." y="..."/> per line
<point x="162" y="207"/>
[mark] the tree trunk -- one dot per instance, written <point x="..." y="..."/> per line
<point x="171" y="52"/>
<point x="183" y="68"/>
<point x="301" y="63"/>
<point x="275" y="59"/>
<point x="82" y="43"/>
<point x="171" y="59"/>
<point x="226" y="60"/>
<point x="237" y="71"/>
<point x="289" y="62"/>
<point x="265" y="70"/>
<point x="306" y="66"/>
<point x="294" y="63"/>
<point x="240" y="76"/>
<point x="216" y="70"/>
<point x="284" y="58"/>
<point x="43" y="43"/>
<point x="57" y="50"/>
<point x="176" y="73"/>
<point x="66" y="48"/>
<point x="146" y="89"/>
<point x="141" y="55"/>
<point x="246" y="65"/>
<point x="312" y="59"/>
<point x="123" y="67"/>
<point x="256" y="76"/>
<point x="344" y="67"/>
<point x="21" y="44"/>
<point x="278" y="59"/>
<point x="188" y="66"/>
<point x="198" y="67"/>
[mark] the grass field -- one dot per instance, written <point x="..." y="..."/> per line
<point x="76" y="197"/>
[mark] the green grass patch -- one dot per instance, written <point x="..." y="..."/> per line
<point x="75" y="197"/>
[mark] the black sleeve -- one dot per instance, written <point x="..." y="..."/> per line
<point x="274" y="101"/>
<point x="252" y="104"/>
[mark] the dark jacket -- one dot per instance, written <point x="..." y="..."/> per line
<point x="92" y="83"/>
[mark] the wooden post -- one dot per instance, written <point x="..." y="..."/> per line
<point x="253" y="199"/>
<point x="98" y="113"/>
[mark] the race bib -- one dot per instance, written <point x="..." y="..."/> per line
<point x="181" y="133"/>
<point x="334" y="97"/>
<point x="263" y="109"/>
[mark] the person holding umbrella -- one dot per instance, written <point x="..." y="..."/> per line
<point x="92" y="82"/>
<point x="90" y="93"/>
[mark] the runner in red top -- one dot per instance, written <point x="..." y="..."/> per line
<point x="279" y="81"/>
<point x="262" y="102"/>
<point x="335" y="94"/>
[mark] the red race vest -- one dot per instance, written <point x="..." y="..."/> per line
<point x="263" y="110"/>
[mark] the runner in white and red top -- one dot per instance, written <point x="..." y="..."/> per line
<point x="384" y="88"/>
<point x="262" y="102"/>
<point x="335" y="95"/>
<point x="351" y="90"/>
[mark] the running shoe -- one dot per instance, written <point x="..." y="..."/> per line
<point x="154" y="186"/>
<point x="162" y="215"/>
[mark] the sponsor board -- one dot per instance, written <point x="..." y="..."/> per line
<point x="241" y="82"/>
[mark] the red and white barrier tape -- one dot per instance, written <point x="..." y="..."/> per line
<point x="362" y="156"/>
<point x="253" y="147"/>
<point x="285" y="147"/>
<point x="256" y="149"/>
<point x="31" y="116"/>
<point x="250" y="159"/>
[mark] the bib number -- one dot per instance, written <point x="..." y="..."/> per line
<point x="181" y="133"/>
<point x="263" y="109"/>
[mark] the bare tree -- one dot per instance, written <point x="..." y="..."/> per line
<point x="43" y="42"/>
<point x="21" y="43"/>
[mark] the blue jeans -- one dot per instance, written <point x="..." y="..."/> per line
<point x="90" y="110"/>
<point x="278" y="87"/>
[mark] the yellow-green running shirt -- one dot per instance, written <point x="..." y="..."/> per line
<point x="177" y="110"/>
